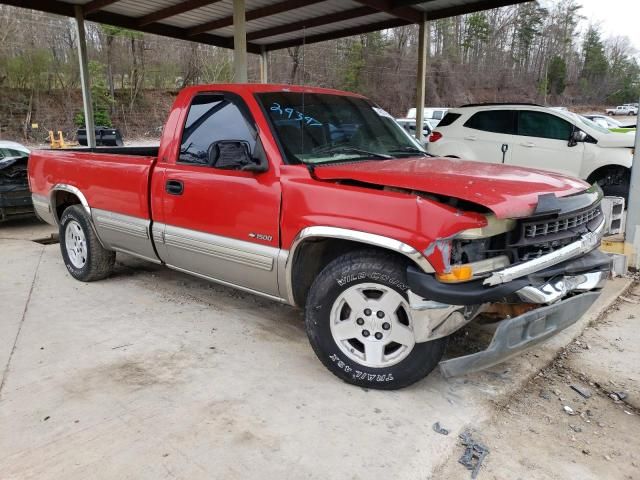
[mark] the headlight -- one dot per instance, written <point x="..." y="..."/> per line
<point x="493" y="227"/>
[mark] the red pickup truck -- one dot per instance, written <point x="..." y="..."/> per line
<point x="317" y="198"/>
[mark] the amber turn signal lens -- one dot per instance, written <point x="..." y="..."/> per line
<point x="458" y="273"/>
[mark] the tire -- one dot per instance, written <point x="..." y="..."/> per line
<point x="615" y="183"/>
<point x="355" y="288"/>
<point x="85" y="258"/>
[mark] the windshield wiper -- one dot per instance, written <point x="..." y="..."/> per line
<point x="410" y="149"/>
<point x="346" y="149"/>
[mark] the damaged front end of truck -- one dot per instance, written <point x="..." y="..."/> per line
<point x="529" y="277"/>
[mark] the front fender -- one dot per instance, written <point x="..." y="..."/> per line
<point x="597" y="157"/>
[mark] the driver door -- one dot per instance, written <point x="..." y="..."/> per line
<point x="221" y="223"/>
<point x="543" y="142"/>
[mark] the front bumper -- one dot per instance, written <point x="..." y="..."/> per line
<point x="516" y="334"/>
<point x="476" y="292"/>
<point x="563" y="291"/>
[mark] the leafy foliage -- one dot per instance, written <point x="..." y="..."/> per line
<point x="557" y="76"/>
<point x="99" y="97"/>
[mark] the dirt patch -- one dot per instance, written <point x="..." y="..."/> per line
<point x="139" y="371"/>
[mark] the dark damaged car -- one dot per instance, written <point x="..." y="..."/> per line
<point x="15" y="197"/>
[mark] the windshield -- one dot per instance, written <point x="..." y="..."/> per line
<point x="318" y="128"/>
<point x="613" y="123"/>
<point x="589" y="123"/>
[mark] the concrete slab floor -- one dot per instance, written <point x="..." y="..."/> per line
<point x="154" y="374"/>
<point x="26" y="229"/>
<point x="613" y="356"/>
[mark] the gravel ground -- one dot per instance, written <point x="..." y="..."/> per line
<point x="534" y="436"/>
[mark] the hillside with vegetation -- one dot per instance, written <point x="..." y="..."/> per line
<point x="520" y="53"/>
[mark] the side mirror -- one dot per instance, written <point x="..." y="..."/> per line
<point x="235" y="155"/>
<point x="577" y="136"/>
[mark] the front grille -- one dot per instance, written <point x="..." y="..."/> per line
<point x="569" y="222"/>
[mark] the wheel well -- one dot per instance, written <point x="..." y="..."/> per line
<point x="606" y="170"/>
<point x="314" y="254"/>
<point x="62" y="200"/>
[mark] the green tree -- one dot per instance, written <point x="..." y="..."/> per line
<point x="359" y="52"/>
<point x="595" y="65"/>
<point x="100" y="97"/>
<point x="476" y="35"/>
<point x="527" y="29"/>
<point x="557" y="76"/>
<point x="628" y="83"/>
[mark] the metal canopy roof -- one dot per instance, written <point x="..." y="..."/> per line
<point x="270" y="24"/>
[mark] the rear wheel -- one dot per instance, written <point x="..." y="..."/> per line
<point x="359" y="323"/>
<point x="85" y="258"/>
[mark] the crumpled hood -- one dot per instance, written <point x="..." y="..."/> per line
<point x="510" y="192"/>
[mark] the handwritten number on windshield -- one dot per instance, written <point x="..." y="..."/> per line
<point x="289" y="112"/>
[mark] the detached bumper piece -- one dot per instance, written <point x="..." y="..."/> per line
<point x="519" y="333"/>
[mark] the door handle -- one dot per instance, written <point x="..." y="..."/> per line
<point x="174" y="187"/>
<point x="471" y="137"/>
<point x="528" y="144"/>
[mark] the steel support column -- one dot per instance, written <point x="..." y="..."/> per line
<point x="239" y="42"/>
<point x="84" y="78"/>
<point x="632" y="226"/>
<point x="264" y="66"/>
<point x="421" y="80"/>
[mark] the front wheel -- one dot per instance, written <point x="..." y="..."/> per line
<point x="615" y="182"/>
<point x="359" y="323"/>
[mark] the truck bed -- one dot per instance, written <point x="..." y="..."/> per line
<point x="112" y="178"/>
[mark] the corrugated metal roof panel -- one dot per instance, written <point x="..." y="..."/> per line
<point x="202" y="15"/>
<point x="440" y="4"/>
<point x="285" y="18"/>
<point x="224" y="9"/>
<point x="334" y="27"/>
<point x="138" y="8"/>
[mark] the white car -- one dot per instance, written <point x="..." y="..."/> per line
<point x="409" y="124"/>
<point x="537" y="137"/>
<point x="607" y="122"/>
<point x="434" y="115"/>
<point x="12" y="149"/>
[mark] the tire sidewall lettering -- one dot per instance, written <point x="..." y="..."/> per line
<point x="379" y="277"/>
<point x="359" y="374"/>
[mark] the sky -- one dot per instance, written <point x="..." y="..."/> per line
<point x="615" y="17"/>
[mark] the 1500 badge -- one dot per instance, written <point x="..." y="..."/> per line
<point x="261" y="236"/>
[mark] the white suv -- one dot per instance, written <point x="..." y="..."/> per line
<point x="537" y="137"/>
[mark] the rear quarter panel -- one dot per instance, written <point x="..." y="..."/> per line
<point x="117" y="183"/>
